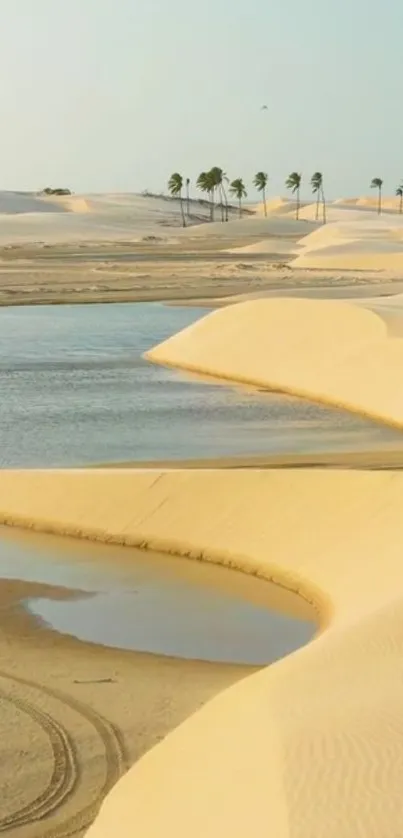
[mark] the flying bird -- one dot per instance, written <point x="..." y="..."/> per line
<point x="264" y="108"/>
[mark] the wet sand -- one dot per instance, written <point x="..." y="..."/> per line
<point x="190" y="273"/>
<point x="381" y="459"/>
<point x="74" y="716"/>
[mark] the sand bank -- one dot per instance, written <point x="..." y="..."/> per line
<point x="319" y="734"/>
<point x="327" y="351"/>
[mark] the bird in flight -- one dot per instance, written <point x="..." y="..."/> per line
<point x="264" y="108"/>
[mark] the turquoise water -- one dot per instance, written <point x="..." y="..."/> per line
<point x="74" y="389"/>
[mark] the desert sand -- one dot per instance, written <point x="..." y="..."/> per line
<point x="86" y="248"/>
<point x="75" y="716"/>
<point x="310" y="745"/>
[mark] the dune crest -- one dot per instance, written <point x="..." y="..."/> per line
<point x="327" y="351"/>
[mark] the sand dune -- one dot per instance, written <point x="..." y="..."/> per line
<point x="253" y="225"/>
<point x="19" y="203"/>
<point x="276" y="206"/>
<point x="271" y="245"/>
<point x="366" y="242"/>
<point x="324" y="350"/>
<point x="310" y="746"/>
<point x="355" y="238"/>
<point x="28" y="218"/>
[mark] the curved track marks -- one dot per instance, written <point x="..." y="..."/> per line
<point x="66" y="772"/>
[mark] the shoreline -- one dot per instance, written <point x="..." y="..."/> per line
<point x="379" y="459"/>
<point x="108" y="705"/>
<point x="201" y="297"/>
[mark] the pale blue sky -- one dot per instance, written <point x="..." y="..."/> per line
<point x="116" y="94"/>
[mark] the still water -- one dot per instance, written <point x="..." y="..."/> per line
<point x="131" y="599"/>
<point x="74" y="390"/>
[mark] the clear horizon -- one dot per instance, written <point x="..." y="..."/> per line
<point x="115" y="96"/>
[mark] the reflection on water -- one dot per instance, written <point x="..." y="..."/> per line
<point x="155" y="603"/>
<point x="74" y="389"/>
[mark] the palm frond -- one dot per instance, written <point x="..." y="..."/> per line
<point x="175" y="183"/>
<point x="316" y="182"/>
<point x="260" y="181"/>
<point x="293" y="181"/>
<point x="237" y="188"/>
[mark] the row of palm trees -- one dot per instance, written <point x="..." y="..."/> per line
<point x="214" y="182"/>
<point x="377" y="183"/>
<point x="293" y="183"/>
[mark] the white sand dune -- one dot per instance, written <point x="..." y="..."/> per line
<point x="253" y="225"/>
<point x="310" y="746"/>
<point x="19" y="203"/>
<point x="366" y="243"/>
<point x="273" y="245"/>
<point x="324" y="350"/>
<point x="29" y="218"/>
<point x="336" y="213"/>
<point x="350" y="241"/>
<point x="276" y="206"/>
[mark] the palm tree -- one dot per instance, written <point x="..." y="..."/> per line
<point x="175" y="186"/>
<point x="237" y="188"/>
<point x="399" y="193"/>
<point x="293" y="182"/>
<point x="377" y="183"/>
<point x="218" y="178"/>
<point x="205" y="182"/>
<point x="317" y="189"/>
<point x="317" y="183"/>
<point x="188" y="196"/>
<point x="260" y="182"/>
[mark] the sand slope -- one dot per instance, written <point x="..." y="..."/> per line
<point x="27" y="217"/>
<point x="310" y="746"/>
<point x="364" y="242"/>
<point x="324" y="350"/>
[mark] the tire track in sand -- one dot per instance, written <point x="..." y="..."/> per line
<point x="66" y="774"/>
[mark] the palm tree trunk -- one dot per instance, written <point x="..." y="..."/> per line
<point x="226" y="202"/>
<point x="324" y="206"/>
<point x="221" y="202"/>
<point x="401" y="204"/>
<point x="212" y="204"/>
<point x="187" y="200"/>
<point x="182" y="210"/>
<point x="380" y="200"/>
<point x="240" y="207"/>
<point x="317" y="205"/>
<point x="264" y="202"/>
<point x="297" y="214"/>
